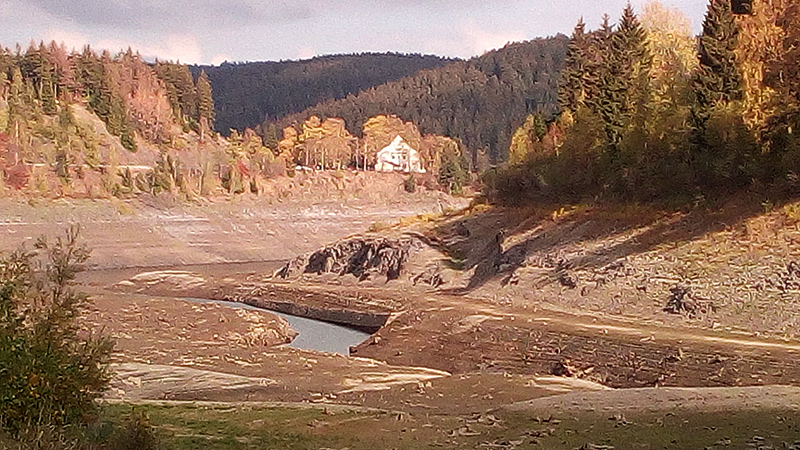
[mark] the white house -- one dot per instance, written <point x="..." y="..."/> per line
<point x="399" y="157"/>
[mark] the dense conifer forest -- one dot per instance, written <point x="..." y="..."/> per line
<point x="480" y="101"/>
<point x="247" y="94"/>
<point x="650" y="112"/>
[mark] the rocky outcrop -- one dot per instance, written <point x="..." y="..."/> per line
<point x="362" y="257"/>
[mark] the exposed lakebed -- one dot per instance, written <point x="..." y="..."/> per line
<point x="313" y="334"/>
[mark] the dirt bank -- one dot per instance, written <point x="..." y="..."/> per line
<point x="298" y="216"/>
<point x="491" y="305"/>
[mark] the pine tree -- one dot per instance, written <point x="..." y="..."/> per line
<point x="271" y="138"/>
<point x="37" y="69"/>
<point x="181" y="91"/>
<point x="598" y="69"/>
<point x="205" y="102"/>
<point x="572" y="88"/>
<point x="630" y="61"/>
<point x="722" y="150"/>
<point x="718" y="78"/>
<point x="102" y="98"/>
<point x="18" y="103"/>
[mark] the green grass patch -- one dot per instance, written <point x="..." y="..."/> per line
<point x="244" y="427"/>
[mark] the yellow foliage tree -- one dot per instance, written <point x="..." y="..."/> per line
<point x="380" y="131"/>
<point x="325" y="144"/>
<point x="760" y="44"/>
<point x="674" y="54"/>
<point x="526" y="137"/>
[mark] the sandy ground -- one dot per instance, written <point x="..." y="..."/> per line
<point x="494" y="335"/>
<point x="302" y="215"/>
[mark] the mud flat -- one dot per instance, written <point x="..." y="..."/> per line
<point x="311" y="333"/>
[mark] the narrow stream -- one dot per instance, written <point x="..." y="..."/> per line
<point x="313" y="334"/>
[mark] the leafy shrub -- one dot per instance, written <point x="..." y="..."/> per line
<point x="50" y="375"/>
<point x="410" y="184"/>
<point x="137" y="434"/>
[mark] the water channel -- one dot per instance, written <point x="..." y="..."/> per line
<point x="313" y="334"/>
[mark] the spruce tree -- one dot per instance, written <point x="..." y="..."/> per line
<point x="181" y="91"/>
<point x="718" y="78"/>
<point x="599" y="70"/>
<point x="18" y="103"/>
<point x="205" y="100"/>
<point x="572" y="88"/>
<point x="720" y="153"/>
<point x="271" y="138"/>
<point x="629" y="63"/>
<point x="102" y="98"/>
<point x="37" y="69"/>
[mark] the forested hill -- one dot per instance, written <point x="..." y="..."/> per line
<point x="246" y="94"/>
<point x="480" y="101"/>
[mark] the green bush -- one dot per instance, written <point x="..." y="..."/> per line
<point x="50" y="375"/>
<point x="410" y="184"/>
<point x="137" y="434"/>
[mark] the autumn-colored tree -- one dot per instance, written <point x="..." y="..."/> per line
<point x="324" y="144"/>
<point x="288" y="146"/>
<point x="380" y="131"/>
<point x="673" y="50"/>
<point x="526" y="137"/>
<point x="148" y="110"/>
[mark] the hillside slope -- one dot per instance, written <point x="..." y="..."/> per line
<point x="480" y="101"/>
<point x="246" y="94"/>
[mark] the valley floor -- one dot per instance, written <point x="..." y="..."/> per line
<point x="501" y="356"/>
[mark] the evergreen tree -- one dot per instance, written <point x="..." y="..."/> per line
<point x="716" y="85"/>
<point x="6" y="61"/>
<point x="205" y="101"/>
<point x="598" y="68"/>
<point x="102" y="98"/>
<point x="38" y="70"/>
<point x="19" y="103"/>
<point x="271" y="138"/>
<point x="181" y="91"/>
<point x="629" y="66"/>
<point x="571" y="88"/>
<point x="718" y="78"/>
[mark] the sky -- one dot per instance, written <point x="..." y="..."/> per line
<point x="214" y="31"/>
